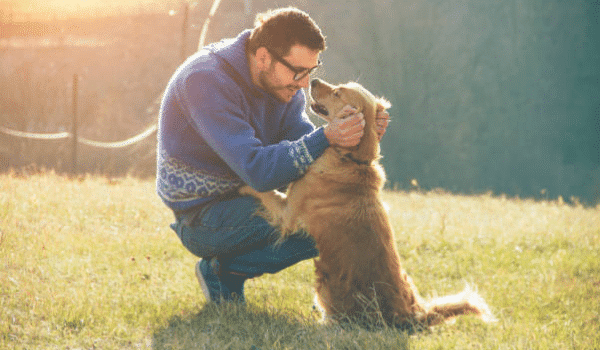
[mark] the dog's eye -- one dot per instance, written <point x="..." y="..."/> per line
<point x="336" y="93"/>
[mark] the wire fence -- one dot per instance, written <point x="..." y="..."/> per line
<point x="35" y="136"/>
<point x="77" y="139"/>
<point x="149" y="131"/>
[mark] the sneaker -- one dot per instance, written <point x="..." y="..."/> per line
<point x="235" y="286"/>
<point x="209" y="281"/>
<point x="218" y="286"/>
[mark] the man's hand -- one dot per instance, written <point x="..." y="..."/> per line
<point x="346" y="128"/>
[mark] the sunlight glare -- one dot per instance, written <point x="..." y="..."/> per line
<point x="92" y="8"/>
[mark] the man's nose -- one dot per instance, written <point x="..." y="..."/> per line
<point x="304" y="82"/>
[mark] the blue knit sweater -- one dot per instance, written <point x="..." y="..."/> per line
<point x="217" y="131"/>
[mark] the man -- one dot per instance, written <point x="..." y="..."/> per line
<point x="234" y="113"/>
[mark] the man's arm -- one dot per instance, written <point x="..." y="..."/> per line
<point x="216" y="111"/>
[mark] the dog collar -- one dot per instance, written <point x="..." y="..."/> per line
<point x="357" y="161"/>
<point x="349" y="157"/>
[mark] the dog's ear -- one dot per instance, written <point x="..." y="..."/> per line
<point x="382" y="104"/>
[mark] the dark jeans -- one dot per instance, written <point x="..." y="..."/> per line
<point x="243" y="242"/>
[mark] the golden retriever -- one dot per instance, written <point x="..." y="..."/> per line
<point x="338" y="202"/>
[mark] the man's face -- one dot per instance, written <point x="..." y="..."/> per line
<point x="278" y="78"/>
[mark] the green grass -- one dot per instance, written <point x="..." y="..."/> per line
<point x="91" y="264"/>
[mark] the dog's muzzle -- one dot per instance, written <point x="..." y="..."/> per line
<point x="319" y="109"/>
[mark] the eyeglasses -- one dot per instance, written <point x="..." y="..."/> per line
<point x="299" y="73"/>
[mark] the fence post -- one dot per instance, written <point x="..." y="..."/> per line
<point x="74" y="127"/>
<point x="184" y="32"/>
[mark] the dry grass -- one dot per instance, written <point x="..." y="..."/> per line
<point x="90" y="263"/>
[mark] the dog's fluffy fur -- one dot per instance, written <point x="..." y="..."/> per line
<point x="338" y="202"/>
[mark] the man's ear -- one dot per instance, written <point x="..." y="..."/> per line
<point x="263" y="58"/>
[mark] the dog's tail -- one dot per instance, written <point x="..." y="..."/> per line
<point x="468" y="302"/>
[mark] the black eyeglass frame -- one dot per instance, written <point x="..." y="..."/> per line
<point x="299" y="73"/>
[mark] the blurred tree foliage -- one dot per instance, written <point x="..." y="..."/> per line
<point x="499" y="96"/>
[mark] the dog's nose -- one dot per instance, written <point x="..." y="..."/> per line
<point x="314" y="82"/>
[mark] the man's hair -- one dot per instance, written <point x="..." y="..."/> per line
<point x="279" y="30"/>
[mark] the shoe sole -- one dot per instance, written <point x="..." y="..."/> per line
<point x="202" y="282"/>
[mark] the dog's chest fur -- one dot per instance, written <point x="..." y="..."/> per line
<point x="336" y="191"/>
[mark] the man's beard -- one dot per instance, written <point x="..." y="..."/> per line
<point x="281" y="92"/>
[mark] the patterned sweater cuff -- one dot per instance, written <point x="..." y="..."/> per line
<point x="316" y="142"/>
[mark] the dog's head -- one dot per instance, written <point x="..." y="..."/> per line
<point x="328" y="101"/>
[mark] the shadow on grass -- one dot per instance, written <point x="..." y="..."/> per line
<point x="230" y="326"/>
<point x="248" y="327"/>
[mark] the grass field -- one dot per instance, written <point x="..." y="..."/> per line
<point x="90" y="263"/>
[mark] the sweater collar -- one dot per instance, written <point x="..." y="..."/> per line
<point x="234" y="52"/>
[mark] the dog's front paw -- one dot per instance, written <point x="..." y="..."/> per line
<point x="247" y="191"/>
